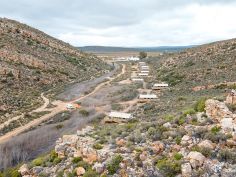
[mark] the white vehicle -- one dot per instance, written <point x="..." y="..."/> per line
<point x="70" y="106"/>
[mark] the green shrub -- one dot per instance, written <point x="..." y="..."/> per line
<point x="113" y="166"/>
<point x="173" y="78"/>
<point x="56" y="160"/>
<point x="168" y="118"/>
<point x="169" y="167"/>
<point x="38" y="162"/>
<point x="97" y="146"/>
<point x="59" y="126"/>
<point x="215" y="129"/>
<point x="84" y="112"/>
<point x="151" y="131"/>
<point x="181" y="120"/>
<point x="90" y="173"/>
<point x="10" y="172"/>
<point x="215" y="137"/>
<point x="200" y="105"/>
<point x="83" y="164"/>
<point x="189" y="112"/>
<point x="178" y="140"/>
<point x="207" y="152"/>
<point x="77" y="159"/>
<point x="178" y="156"/>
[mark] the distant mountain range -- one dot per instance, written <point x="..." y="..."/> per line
<point x="106" y="49"/>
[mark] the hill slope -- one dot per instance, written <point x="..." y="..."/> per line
<point x="185" y="132"/>
<point x="32" y="62"/>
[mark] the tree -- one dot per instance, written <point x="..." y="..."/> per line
<point x="142" y="55"/>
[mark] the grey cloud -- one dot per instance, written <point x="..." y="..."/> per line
<point x="106" y="18"/>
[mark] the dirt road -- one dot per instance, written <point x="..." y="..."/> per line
<point x="60" y="107"/>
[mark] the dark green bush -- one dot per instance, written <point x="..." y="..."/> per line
<point x="77" y="159"/>
<point x="178" y="156"/>
<point x="113" y="166"/>
<point x="84" y="112"/>
<point x="169" y="167"/>
<point x="97" y="146"/>
<point x="215" y="129"/>
<point x="200" y="105"/>
<point x="38" y="162"/>
<point x="90" y="173"/>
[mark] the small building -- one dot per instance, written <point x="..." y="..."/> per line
<point x="120" y="115"/>
<point x="120" y="59"/>
<point x="144" y="71"/>
<point x="133" y="58"/>
<point x="147" y="96"/>
<point x="137" y="80"/>
<point x="160" y="86"/>
<point x="142" y="63"/>
<point x="143" y="74"/>
<point x="144" y="67"/>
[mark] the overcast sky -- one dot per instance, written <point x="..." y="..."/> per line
<point x="127" y="22"/>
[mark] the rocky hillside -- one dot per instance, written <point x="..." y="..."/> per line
<point x="31" y="62"/>
<point x="204" y="145"/>
<point x="201" y="66"/>
<point x="187" y="132"/>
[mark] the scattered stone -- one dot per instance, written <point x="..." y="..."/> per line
<point x="196" y="159"/>
<point x="157" y="147"/>
<point x="120" y="142"/>
<point x="80" y="171"/>
<point x="227" y="124"/>
<point x="186" y="170"/>
<point x="186" y="140"/>
<point x="207" y="144"/>
<point x="99" y="167"/>
<point x="143" y="156"/>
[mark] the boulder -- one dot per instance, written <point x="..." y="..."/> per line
<point x="217" y="110"/>
<point x="186" y="140"/>
<point x="186" y="170"/>
<point x="206" y="144"/>
<point x="120" y="142"/>
<point x="157" y="147"/>
<point x="143" y="156"/>
<point x="80" y="171"/>
<point x="99" y="167"/>
<point x="167" y="125"/>
<point x="227" y="124"/>
<point x="196" y="159"/>
<point x="200" y="117"/>
<point x="231" y="98"/>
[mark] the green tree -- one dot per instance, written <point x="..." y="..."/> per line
<point x="142" y="55"/>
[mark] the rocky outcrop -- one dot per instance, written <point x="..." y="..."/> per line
<point x="231" y="98"/>
<point x="217" y="110"/>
